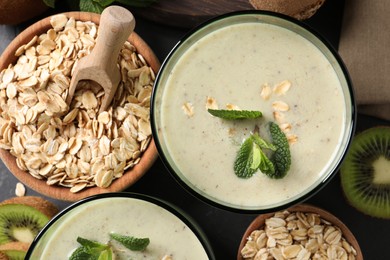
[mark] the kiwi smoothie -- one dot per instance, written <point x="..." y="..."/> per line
<point x="241" y="66"/>
<point x="95" y="220"/>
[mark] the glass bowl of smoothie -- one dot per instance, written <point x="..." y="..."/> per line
<point x="262" y="62"/>
<point x="128" y="225"/>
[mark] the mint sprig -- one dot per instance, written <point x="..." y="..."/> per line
<point x="251" y="157"/>
<point x="91" y="250"/>
<point x="235" y="114"/>
<point x="132" y="243"/>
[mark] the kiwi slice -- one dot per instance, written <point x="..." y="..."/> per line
<point x="41" y="204"/>
<point x="365" y="172"/>
<point x="13" y="251"/>
<point x="20" y="222"/>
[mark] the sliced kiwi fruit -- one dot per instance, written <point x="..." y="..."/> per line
<point x="22" y="218"/>
<point x="13" y="251"/>
<point x="365" y="172"/>
<point x="44" y="206"/>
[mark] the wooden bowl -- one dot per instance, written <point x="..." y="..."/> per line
<point x="259" y="222"/>
<point x="63" y="193"/>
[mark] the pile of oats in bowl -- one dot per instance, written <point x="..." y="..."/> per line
<point x="297" y="235"/>
<point x="73" y="145"/>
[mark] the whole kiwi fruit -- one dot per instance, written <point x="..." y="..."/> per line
<point x="299" y="9"/>
<point x="17" y="11"/>
<point x="365" y="172"/>
<point x="21" y="218"/>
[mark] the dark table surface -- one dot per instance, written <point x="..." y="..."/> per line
<point x="225" y="229"/>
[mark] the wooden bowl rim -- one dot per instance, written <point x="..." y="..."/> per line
<point x="130" y="176"/>
<point x="259" y="221"/>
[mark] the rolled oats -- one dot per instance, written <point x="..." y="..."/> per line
<point x="73" y="145"/>
<point x="280" y="106"/>
<point x="266" y="91"/>
<point x="20" y="190"/>
<point x="297" y="235"/>
<point x="188" y="109"/>
<point x="282" y="87"/>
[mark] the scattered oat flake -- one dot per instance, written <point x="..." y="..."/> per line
<point x="280" y="106"/>
<point x="278" y="116"/>
<point x="211" y="103"/>
<point x="282" y="87"/>
<point x="292" y="139"/>
<point x="232" y="107"/>
<point x="285" y="127"/>
<point x="188" y="109"/>
<point x="20" y="190"/>
<point x="266" y="91"/>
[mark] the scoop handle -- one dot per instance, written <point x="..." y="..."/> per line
<point x="115" y="26"/>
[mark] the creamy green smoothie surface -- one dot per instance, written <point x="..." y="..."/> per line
<point x="169" y="236"/>
<point x="252" y="66"/>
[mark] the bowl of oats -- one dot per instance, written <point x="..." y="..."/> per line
<point x="143" y="227"/>
<point x="303" y="231"/>
<point x="69" y="151"/>
<point x="253" y="111"/>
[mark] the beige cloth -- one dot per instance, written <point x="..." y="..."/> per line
<point x="365" y="48"/>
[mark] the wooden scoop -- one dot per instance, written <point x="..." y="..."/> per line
<point x="115" y="26"/>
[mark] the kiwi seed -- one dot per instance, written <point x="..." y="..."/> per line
<point x="20" y="223"/>
<point x="365" y="172"/>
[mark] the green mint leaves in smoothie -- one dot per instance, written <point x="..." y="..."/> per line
<point x="281" y="158"/>
<point x="251" y="157"/>
<point x="235" y="114"/>
<point x="91" y="250"/>
<point x="132" y="243"/>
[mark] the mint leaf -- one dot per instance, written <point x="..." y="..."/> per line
<point x="235" y="114"/>
<point x="91" y="244"/>
<point x="104" y="2"/>
<point x="91" y="6"/>
<point x="256" y="157"/>
<point x="262" y="143"/>
<point x="91" y="250"/>
<point x="106" y="254"/>
<point x="132" y="243"/>
<point x="266" y="166"/>
<point x="281" y="158"/>
<point x="80" y="253"/>
<point x="244" y="165"/>
<point x="251" y="157"/>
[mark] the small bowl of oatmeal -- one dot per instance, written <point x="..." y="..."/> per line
<point x="253" y="111"/>
<point x="71" y="151"/>
<point x="127" y="226"/>
<point x="303" y="232"/>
